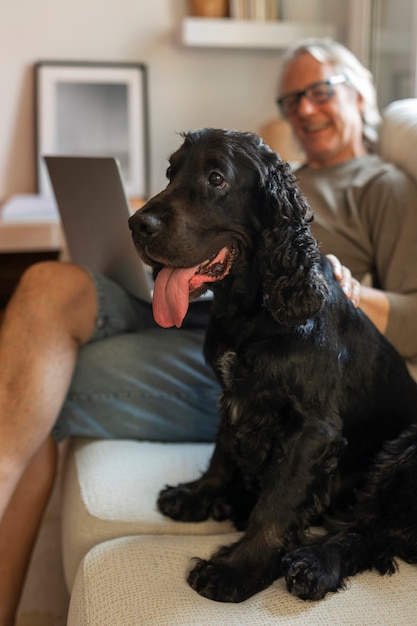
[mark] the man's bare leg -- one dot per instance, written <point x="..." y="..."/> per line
<point x="20" y="524"/>
<point x="51" y="314"/>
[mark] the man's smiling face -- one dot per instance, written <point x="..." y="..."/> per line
<point x="330" y="132"/>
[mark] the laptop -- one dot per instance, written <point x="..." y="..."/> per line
<point x="94" y="211"/>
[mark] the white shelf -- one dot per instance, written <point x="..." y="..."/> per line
<point x="232" y="33"/>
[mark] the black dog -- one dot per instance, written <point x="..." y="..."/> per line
<point x="318" y="411"/>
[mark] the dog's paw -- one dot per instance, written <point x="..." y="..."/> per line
<point x="310" y="575"/>
<point x="220" y="581"/>
<point x="191" y="505"/>
<point x="183" y="504"/>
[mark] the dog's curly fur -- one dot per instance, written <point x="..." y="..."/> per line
<point x="318" y="411"/>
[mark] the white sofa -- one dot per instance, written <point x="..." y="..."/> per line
<point x="125" y="564"/>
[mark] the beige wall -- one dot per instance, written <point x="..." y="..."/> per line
<point x="188" y="88"/>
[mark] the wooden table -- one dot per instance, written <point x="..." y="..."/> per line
<point x="30" y="231"/>
<point x="24" y="241"/>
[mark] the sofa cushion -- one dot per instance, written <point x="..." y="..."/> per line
<point x="398" y="134"/>
<point x="141" y="581"/>
<point x="110" y="490"/>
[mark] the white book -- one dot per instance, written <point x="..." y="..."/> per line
<point x="258" y="10"/>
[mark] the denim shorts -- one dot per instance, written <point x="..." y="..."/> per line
<point x="135" y="380"/>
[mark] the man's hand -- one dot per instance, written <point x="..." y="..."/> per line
<point x="373" y="302"/>
<point x="350" y="286"/>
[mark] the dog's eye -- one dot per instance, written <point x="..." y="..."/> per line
<point x="168" y="173"/>
<point x="216" y="180"/>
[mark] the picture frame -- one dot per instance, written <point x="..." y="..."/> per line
<point x="93" y="109"/>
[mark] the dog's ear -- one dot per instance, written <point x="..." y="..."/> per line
<point x="294" y="287"/>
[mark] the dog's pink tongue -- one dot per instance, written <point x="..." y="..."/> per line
<point x="173" y="286"/>
<point x="170" y="295"/>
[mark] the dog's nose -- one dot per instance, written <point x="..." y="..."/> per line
<point x="144" y="225"/>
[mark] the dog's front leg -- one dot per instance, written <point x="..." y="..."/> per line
<point x="238" y="571"/>
<point x="295" y="489"/>
<point x="203" y="498"/>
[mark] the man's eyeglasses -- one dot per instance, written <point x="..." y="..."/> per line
<point x="317" y="93"/>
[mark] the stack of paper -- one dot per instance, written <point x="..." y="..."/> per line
<point x="29" y="208"/>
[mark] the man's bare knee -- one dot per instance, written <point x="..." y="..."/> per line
<point x="53" y="274"/>
<point x="52" y="292"/>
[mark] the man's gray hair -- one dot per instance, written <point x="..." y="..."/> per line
<point x="358" y="77"/>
